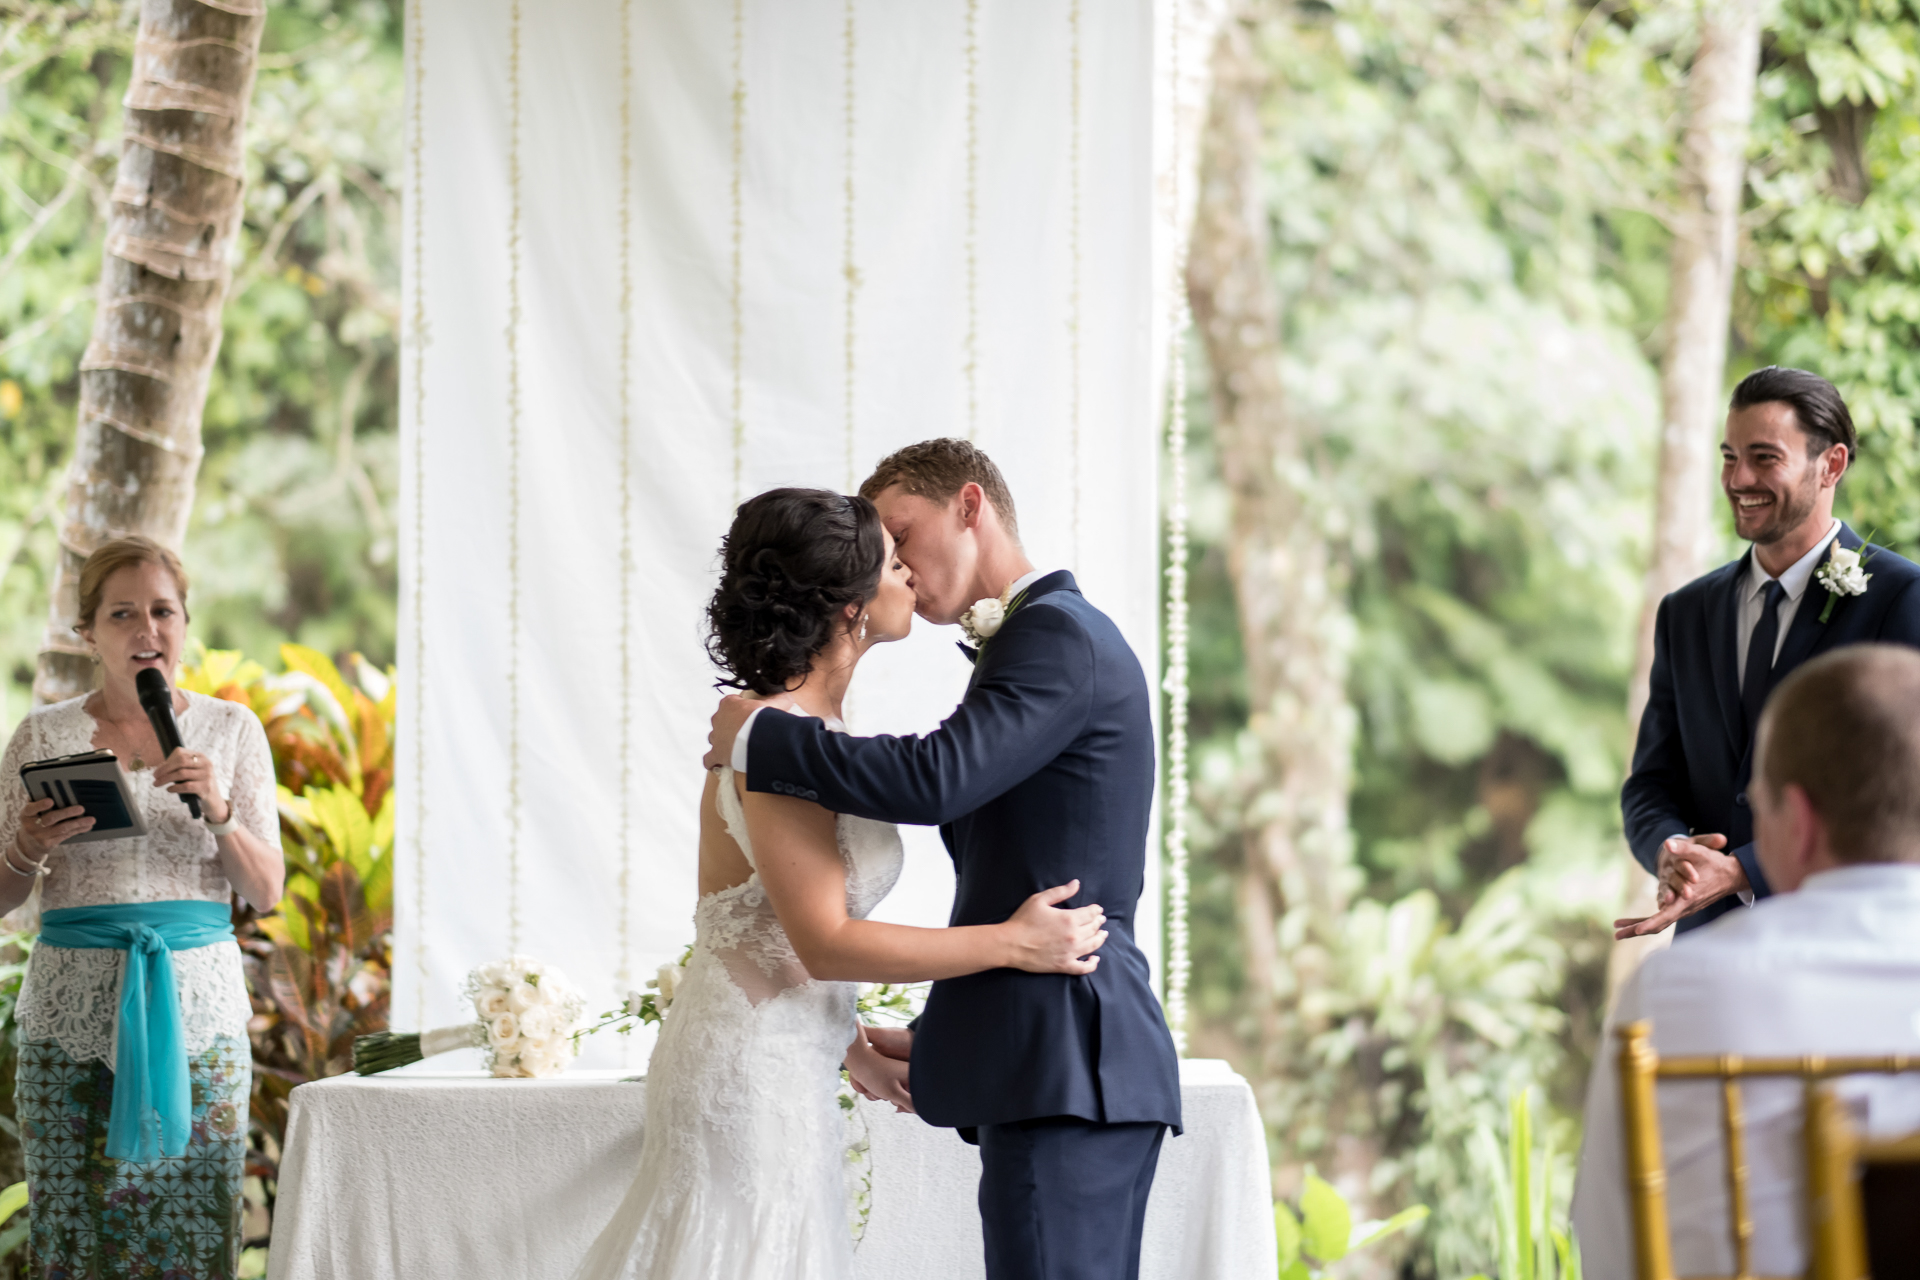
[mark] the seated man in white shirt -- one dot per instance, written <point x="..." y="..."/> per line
<point x="1831" y="964"/>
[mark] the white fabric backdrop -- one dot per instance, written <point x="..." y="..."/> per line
<point x="523" y="824"/>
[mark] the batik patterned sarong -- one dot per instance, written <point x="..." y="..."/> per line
<point x="175" y="1218"/>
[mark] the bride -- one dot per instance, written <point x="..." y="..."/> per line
<point x="741" y="1167"/>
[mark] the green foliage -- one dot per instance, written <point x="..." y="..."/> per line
<point x="1323" y="1230"/>
<point x="1529" y="1197"/>
<point x="292" y="535"/>
<point x="1464" y="201"/>
<point x="1832" y="272"/>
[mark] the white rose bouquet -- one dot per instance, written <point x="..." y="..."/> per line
<point x="525" y="1011"/>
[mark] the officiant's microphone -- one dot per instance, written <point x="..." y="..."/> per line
<point x="156" y="696"/>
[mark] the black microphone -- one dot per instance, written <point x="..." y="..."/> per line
<point x="156" y="697"/>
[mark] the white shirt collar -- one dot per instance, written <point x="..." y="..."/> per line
<point x="1026" y="580"/>
<point x="1798" y="574"/>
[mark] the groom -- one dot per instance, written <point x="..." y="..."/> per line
<point x="1042" y="775"/>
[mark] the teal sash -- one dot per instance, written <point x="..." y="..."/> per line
<point x="152" y="1100"/>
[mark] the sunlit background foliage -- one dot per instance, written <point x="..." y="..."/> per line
<point x="1467" y="200"/>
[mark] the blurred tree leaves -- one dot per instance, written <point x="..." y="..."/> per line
<point x="292" y="535"/>
<point x="1832" y="268"/>
<point x="1465" y="198"/>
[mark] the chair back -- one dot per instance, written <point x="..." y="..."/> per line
<point x="1840" y="1224"/>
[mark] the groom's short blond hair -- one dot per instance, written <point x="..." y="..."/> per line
<point x="937" y="469"/>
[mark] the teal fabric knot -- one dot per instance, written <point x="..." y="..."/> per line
<point x="152" y="1100"/>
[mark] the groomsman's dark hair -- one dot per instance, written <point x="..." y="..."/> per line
<point x="1817" y="405"/>
<point x="936" y="470"/>
<point x="1845" y="728"/>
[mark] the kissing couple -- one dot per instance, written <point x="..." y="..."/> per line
<point x="1041" y="1042"/>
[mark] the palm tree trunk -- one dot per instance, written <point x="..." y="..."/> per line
<point x="156" y="330"/>
<point x="1720" y="89"/>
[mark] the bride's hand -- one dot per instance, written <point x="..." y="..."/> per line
<point x="876" y="1076"/>
<point x="1050" y="939"/>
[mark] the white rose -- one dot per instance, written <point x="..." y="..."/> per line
<point x="667" y="979"/>
<point x="544" y="1061"/>
<point x="987" y="615"/>
<point x="523" y="997"/>
<point x="498" y="974"/>
<point x="503" y="1030"/>
<point x="1845" y="560"/>
<point x="491" y="1002"/>
<point x="539" y="1022"/>
<point x="632" y="1007"/>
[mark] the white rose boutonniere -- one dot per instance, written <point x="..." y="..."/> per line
<point x="1843" y="574"/>
<point x="982" y="622"/>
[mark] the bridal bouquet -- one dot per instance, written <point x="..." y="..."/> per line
<point x="525" y="1013"/>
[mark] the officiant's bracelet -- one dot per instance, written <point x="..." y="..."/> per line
<point x="227" y="827"/>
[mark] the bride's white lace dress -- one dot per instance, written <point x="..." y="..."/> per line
<point x="742" y="1168"/>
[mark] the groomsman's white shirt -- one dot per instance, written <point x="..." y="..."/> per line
<point x="1833" y="968"/>
<point x="739" y="757"/>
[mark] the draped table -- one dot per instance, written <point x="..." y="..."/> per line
<point x="422" y="1176"/>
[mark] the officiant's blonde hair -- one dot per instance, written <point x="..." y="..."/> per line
<point x="938" y="469"/>
<point x="1845" y="728"/>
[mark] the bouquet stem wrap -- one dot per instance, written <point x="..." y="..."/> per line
<point x="152" y="1100"/>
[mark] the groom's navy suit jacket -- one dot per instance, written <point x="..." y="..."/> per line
<point x="1694" y="759"/>
<point x="1044" y="774"/>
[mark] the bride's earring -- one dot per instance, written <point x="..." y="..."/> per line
<point x="863" y="628"/>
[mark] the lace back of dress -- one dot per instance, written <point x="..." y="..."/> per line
<point x="738" y="925"/>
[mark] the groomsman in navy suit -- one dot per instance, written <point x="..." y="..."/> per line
<point x="1723" y="641"/>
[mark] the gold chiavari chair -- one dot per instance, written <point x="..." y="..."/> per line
<point x="1835" y="1153"/>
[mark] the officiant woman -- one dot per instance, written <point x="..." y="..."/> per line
<point x="133" y="1104"/>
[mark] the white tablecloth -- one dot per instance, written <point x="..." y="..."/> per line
<point x="418" y="1176"/>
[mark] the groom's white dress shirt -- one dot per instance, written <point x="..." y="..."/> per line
<point x="739" y="757"/>
<point x="1833" y="968"/>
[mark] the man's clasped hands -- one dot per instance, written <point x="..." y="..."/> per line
<point x="1694" y="871"/>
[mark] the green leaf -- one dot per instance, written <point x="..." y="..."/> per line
<point x="1328" y="1220"/>
<point x="1286" y="1231"/>
<point x="12" y="1200"/>
<point x="1297" y="1271"/>
<point x="1368" y="1232"/>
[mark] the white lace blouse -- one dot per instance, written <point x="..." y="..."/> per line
<point x="72" y="996"/>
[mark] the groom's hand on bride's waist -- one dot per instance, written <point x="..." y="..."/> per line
<point x="727" y="719"/>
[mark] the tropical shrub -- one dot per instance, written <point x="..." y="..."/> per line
<point x="1322" y="1231"/>
<point x="318" y="967"/>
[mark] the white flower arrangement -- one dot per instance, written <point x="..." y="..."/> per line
<point x="982" y="622"/>
<point x="641" y="1007"/>
<point x="525" y="1013"/>
<point x="1842" y="574"/>
<point x="529" y="1010"/>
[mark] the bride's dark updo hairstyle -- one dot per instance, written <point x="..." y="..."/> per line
<point x="793" y="560"/>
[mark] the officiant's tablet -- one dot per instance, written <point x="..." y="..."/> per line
<point x="95" y="781"/>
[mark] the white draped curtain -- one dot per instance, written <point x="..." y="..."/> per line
<point x="661" y="255"/>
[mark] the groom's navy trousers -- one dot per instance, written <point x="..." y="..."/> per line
<point x="1694" y="757"/>
<point x="1043" y="774"/>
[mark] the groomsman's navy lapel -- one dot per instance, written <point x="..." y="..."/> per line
<point x="1723" y="651"/>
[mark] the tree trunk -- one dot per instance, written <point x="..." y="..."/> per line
<point x="163" y="277"/>
<point x="1293" y="620"/>
<point x="1713" y="147"/>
